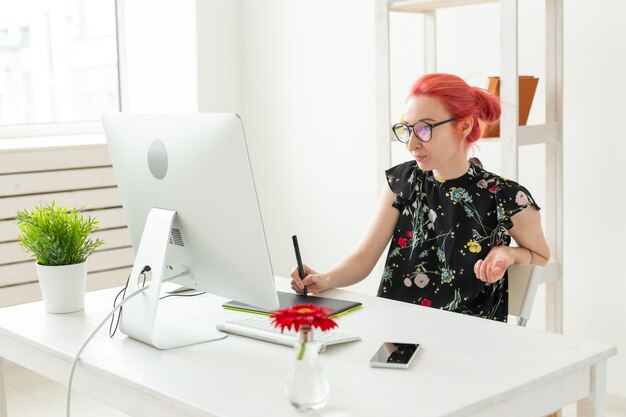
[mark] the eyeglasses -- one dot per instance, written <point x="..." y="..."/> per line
<point x="423" y="130"/>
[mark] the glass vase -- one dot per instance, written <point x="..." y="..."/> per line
<point x="307" y="387"/>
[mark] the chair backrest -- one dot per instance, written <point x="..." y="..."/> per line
<point x="523" y="283"/>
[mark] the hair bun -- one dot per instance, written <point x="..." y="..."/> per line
<point x="488" y="105"/>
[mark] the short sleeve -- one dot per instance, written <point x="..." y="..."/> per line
<point x="511" y="198"/>
<point x="403" y="180"/>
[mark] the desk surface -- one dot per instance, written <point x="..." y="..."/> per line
<point x="466" y="366"/>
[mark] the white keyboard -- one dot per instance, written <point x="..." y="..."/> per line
<point x="260" y="327"/>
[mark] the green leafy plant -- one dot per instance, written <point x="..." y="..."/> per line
<point x="57" y="236"/>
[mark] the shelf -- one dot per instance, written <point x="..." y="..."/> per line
<point x="420" y="6"/>
<point x="532" y="134"/>
<point x="535" y="134"/>
<point x="515" y="137"/>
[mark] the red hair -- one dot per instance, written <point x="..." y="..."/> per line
<point x="460" y="99"/>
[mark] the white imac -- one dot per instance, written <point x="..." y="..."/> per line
<point x="192" y="211"/>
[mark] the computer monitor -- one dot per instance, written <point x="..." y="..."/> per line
<point x="192" y="211"/>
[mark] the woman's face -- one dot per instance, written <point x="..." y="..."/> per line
<point x="445" y="150"/>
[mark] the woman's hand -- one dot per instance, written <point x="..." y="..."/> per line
<point x="314" y="281"/>
<point x="492" y="268"/>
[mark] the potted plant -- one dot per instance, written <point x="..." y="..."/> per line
<point x="59" y="240"/>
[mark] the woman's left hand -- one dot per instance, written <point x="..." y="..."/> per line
<point x="492" y="268"/>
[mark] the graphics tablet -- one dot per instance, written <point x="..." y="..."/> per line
<point x="337" y="307"/>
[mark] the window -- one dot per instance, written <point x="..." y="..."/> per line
<point x="58" y="61"/>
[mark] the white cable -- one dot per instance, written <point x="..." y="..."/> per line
<point x="126" y="298"/>
<point x="69" y="385"/>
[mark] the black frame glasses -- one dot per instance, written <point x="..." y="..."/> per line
<point x="402" y="131"/>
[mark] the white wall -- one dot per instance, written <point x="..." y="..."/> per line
<point x="220" y="56"/>
<point x="158" y="55"/>
<point x="309" y="96"/>
<point x="181" y="56"/>
<point x="595" y="91"/>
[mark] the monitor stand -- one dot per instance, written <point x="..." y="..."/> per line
<point x="140" y="319"/>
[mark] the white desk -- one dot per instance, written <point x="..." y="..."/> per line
<point x="466" y="367"/>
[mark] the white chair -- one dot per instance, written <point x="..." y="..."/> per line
<point x="523" y="283"/>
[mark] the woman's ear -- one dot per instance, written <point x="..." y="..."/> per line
<point x="464" y="126"/>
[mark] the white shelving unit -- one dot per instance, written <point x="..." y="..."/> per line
<point x="513" y="136"/>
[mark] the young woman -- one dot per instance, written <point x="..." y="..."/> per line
<point x="450" y="222"/>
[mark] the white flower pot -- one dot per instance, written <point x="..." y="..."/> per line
<point x="63" y="287"/>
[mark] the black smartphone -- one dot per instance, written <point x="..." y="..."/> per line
<point x="394" y="355"/>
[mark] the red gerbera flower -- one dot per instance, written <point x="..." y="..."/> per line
<point x="426" y="302"/>
<point x="402" y="242"/>
<point x="303" y="315"/>
<point x="409" y="234"/>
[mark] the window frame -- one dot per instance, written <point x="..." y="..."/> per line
<point x="58" y="132"/>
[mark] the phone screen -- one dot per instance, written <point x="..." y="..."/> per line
<point x="394" y="355"/>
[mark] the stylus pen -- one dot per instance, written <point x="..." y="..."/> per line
<point x="299" y="261"/>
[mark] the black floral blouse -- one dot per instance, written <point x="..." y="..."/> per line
<point x="444" y="228"/>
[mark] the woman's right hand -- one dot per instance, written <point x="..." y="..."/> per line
<point x="314" y="281"/>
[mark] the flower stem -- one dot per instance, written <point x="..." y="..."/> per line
<point x="301" y="352"/>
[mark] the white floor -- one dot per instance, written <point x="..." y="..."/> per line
<point x="31" y="395"/>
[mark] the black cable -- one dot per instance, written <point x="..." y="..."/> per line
<point x="122" y="292"/>
<point x="119" y="315"/>
<point x="182" y="295"/>
<point x="113" y="330"/>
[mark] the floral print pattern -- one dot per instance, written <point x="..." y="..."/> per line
<point x="444" y="228"/>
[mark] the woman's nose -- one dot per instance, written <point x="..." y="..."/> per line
<point x="413" y="142"/>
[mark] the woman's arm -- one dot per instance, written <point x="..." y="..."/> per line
<point x="533" y="247"/>
<point x="359" y="263"/>
<point x="528" y="234"/>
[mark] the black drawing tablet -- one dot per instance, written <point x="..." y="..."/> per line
<point x="337" y="307"/>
